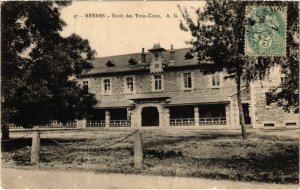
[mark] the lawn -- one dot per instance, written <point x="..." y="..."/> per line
<point x="214" y="154"/>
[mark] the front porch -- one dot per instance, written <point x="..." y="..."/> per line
<point x="197" y="116"/>
<point x="202" y="121"/>
<point x="119" y="117"/>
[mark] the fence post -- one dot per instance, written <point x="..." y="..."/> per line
<point x="138" y="151"/>
<point x="35" y="148"/>
<point x="196" y="116"/>
<point x="78" y="123"/>
<point x="107" y="118"/>
<point x="167" y="117"/>
<point x="83" y="123"/>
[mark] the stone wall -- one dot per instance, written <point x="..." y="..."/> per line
<point x="172" y="85"/>
<point x="265" y="114"/>
<point x="268" y="114"/>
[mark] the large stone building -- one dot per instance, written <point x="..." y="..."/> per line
<point x="164" y="88"/>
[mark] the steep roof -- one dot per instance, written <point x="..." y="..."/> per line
<point x="121" y="63"/>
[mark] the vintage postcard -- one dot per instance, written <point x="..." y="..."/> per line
<point x="149" y="95"/>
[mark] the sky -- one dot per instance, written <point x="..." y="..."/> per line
<point x="115" y="35"/>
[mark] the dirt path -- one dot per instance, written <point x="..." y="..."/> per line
<point x="32" y="179"/>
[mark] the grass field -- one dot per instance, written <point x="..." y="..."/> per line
<point x="267" y="156"/>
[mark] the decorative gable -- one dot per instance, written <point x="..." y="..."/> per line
<point x="156" y="67"/>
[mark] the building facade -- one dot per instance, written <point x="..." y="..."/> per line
<point x="165" y="88"/>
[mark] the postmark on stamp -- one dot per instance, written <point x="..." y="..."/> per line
<point x="265" y="33"/>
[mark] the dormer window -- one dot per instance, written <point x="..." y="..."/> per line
<point x="109" y="64"/>
<point x="132" y="61"/>
<point x="188" y="55"/>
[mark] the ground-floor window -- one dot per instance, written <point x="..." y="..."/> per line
<point x="182" y="112"/>
<point x="182" y="115"/>
<point x="212" y="110"/>
<point x="119" y="118"/>
<point x="213" y="114"/>
<point x="97" y="118"/>
<point x="118" y="114"/>
<point x="115" y="114"/>
<point x="97" y="114"/>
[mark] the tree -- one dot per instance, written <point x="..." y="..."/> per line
<point x="218" y="36"/>
<point x="37" y="66"/>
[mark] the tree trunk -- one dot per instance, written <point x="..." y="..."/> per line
<point x="4" y="132"/>
<point x="5" y="136"/>
<point x="241" y="112"/>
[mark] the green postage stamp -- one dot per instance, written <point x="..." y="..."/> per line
<point x="265" y="31"/>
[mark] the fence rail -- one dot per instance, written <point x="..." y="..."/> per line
<point x="119" y="123"/>
<point x="212" y="121"/>
<point x="100" y="123"/>
<point x="127" y="123"/>
<point x="68" y="124"/>
<point x="182" y="122"/>
<point x="14" y="126"/>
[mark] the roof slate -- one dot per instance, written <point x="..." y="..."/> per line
<point x="122" y="64"/>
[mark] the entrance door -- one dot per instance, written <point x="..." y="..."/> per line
<point x="246" y="114"/>
<point x="150" y="116"/>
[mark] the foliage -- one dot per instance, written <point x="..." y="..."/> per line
<point x="37" y="65"/>
<point x="218" y="36"/>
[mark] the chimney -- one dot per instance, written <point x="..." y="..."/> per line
<point x="172" y="56"/>
<point x="143" y="56"/>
